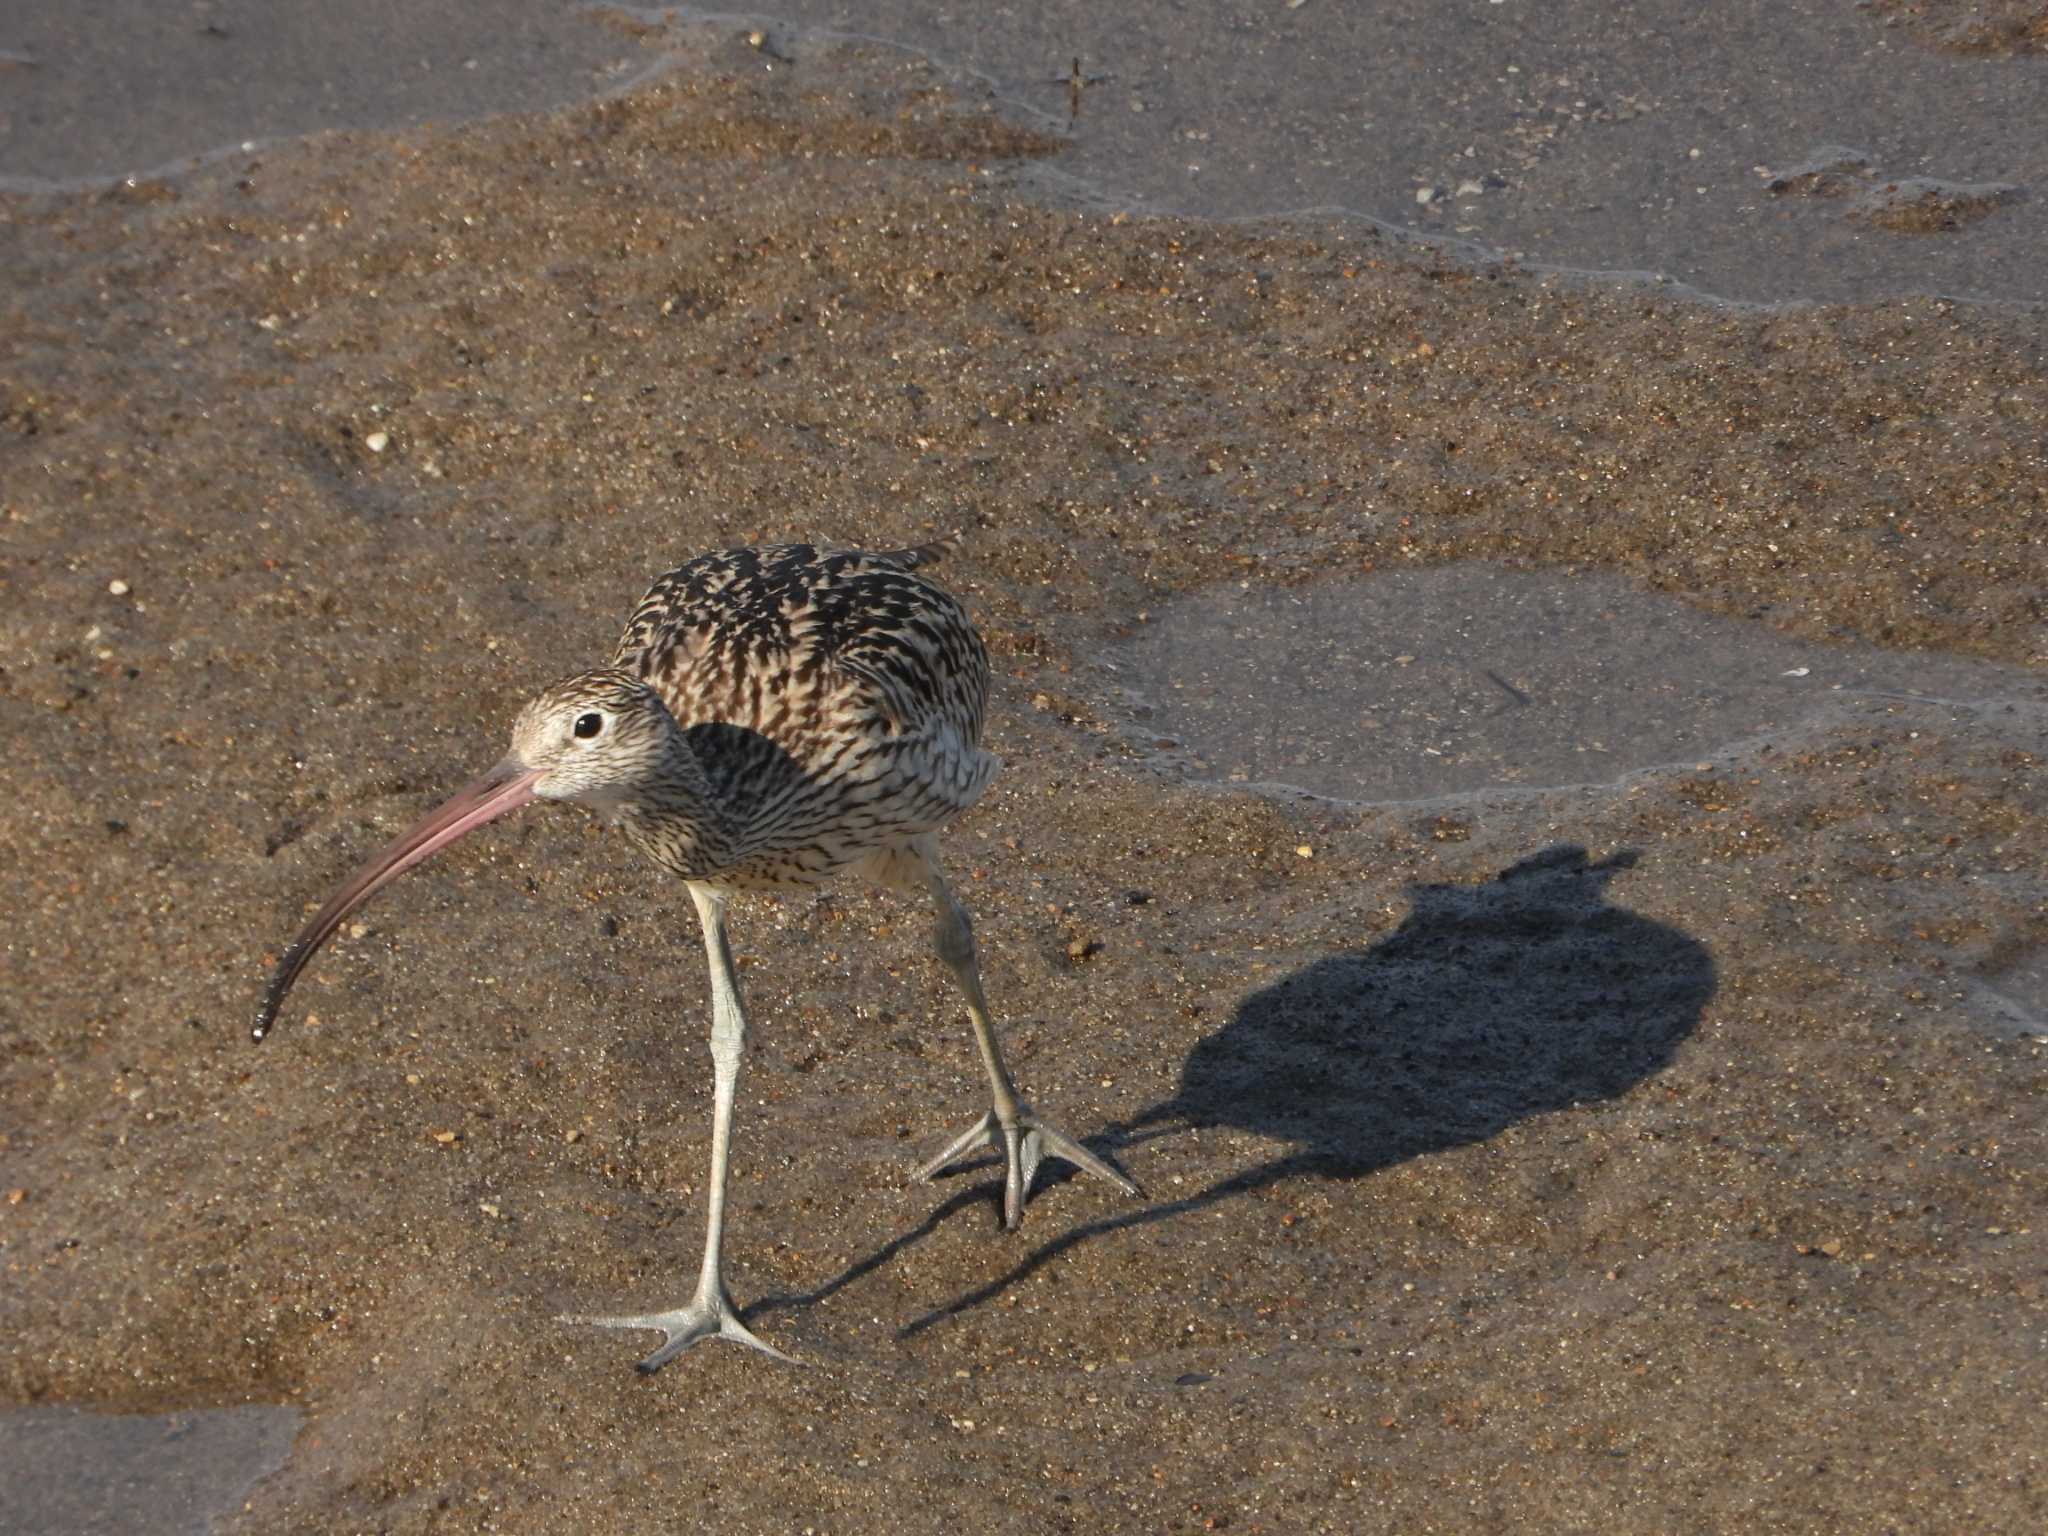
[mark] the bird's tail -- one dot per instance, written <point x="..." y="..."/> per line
<point x="921" y="554"/>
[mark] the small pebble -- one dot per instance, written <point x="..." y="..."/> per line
<point x="1305" y="851"/>
<point x="444" y="1137"/>
<point x="377" y="442"/>
<point x="118" y="587"/>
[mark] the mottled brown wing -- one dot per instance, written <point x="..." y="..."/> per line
<point x="828" y="695"/>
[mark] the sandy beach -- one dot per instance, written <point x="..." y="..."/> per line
<point x="1522" y="829"/>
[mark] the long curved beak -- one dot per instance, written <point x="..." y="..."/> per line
<point x="505" y="788"/>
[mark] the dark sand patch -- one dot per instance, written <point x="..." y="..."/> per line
<point x="1570" y="136"/>
<point x="132" y="87"/>
<point x="378" y="434"/>
<point x="1426" y="684"/>
<point x="172" y="1474"/>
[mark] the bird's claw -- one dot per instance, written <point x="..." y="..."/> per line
<point x="1025" y="1144"/>
<point x="711" y="1317"/>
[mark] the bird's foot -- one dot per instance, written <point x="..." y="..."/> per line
<point x="709" y="1316"/>
<point x="1024" y="1145"/>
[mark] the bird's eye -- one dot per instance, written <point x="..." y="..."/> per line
<point x="589" y="725"/>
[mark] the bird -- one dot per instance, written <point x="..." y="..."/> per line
<point x="771" y="717"/>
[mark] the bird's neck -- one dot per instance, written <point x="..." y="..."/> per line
<point x="677" y="819"/>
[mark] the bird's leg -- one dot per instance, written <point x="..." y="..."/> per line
<point x="1011" y="1124"/>
<point x="709" y="1313"/>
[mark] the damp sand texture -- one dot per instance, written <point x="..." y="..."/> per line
<point x="1646" y="1150"/>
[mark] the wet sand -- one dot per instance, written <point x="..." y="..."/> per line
<point x="1656" y="1149"/>
<point x="1643" y="141"/>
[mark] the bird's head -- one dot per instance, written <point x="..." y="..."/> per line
<point x="594" y="737"/>
<point x="598" y="737"/>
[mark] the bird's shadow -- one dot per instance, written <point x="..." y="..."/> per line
<point x="1489" y="1004"/>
